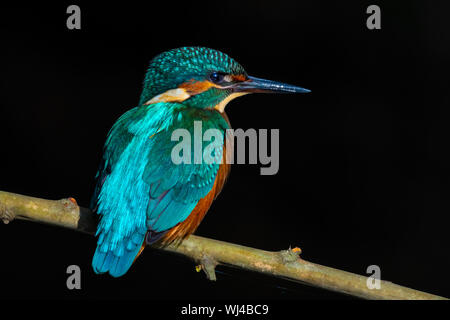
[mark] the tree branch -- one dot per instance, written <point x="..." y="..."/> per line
<point x="208" y="253"/>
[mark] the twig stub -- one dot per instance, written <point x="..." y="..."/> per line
<point x="208" y="265"/>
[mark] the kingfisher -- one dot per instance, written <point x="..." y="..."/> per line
<point x="144" y="197"/>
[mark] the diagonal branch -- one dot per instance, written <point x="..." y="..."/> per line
<point x="208" y="253"/>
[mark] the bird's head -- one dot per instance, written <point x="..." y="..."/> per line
<point x="202" y="78"/>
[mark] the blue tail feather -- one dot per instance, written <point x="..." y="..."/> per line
<point x="117" y="261"/>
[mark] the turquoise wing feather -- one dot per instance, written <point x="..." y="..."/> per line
<point x="122" y="226"/>
<point x="140" y="188"/>
<point x="176" y="189"/>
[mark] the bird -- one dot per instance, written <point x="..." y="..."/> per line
<point x="141" y="196"/>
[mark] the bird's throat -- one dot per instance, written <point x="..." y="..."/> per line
<point x="222" y="104"/>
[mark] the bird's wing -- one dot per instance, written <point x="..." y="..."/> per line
<point x="141" y="188"/>
<point x="121" y="196"/>
<point x="175" y="189"/>
<point x="118" y="139"/>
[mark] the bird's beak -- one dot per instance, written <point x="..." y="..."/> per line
<point x="266" y="86"/>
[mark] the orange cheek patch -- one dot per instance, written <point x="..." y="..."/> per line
<point x="239" y="77"/>
<point x="196" y="87"/>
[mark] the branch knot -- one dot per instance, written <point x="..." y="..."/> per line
<point x="290" y="255"/>
<point x="5" y="215"/>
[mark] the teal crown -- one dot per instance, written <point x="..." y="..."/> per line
<point x="174" y="67"/>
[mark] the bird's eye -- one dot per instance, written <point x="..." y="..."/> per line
<point x="216" y="77"/>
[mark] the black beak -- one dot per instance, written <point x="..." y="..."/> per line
<point x="266" y="86"/>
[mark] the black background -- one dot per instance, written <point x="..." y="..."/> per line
<point x="364" y="168"/>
